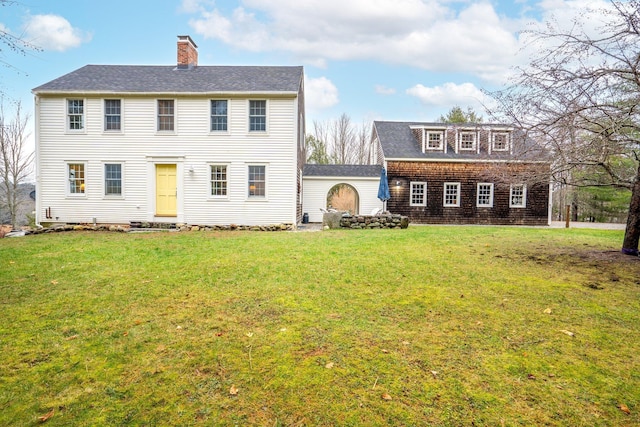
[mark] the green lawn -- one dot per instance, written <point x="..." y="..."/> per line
<point x="442" y="326"/>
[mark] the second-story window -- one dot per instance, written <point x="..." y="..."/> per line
<point x="257" y="116"/>
<point x="165" y="115"/>
<point x="112" y="118"/>
<point x="218" y="115"/>
<point x="75" y="114"/>
<point x="468" y="141"/>
<point x="500" y="142"/>
<point x="434" y="140"/>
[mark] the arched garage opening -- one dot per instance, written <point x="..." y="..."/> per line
<point x="344" y="197"/>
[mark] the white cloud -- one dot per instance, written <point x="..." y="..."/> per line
<point x="53" y="32"/>
<point x="435" y="35"/>
<point x="451" y="94"/>
<point x="383" y="90"/>
<point x="320" y="93"/>
<point x="420" y="33"/>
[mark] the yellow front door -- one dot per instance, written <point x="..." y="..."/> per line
<point x="166" y="190"/>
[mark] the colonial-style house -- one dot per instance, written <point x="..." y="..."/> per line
<point x="463" y="174"/>
<point x="175" y="144"/>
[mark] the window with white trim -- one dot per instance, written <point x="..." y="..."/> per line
<point x="418" y="194"/>
<point x="500" y="141"/>
<point x="112" y="115"/>
<point x="257" y="116"/>
<point x="75" y="114"/>
<point x="518" y="196"/>
<point x="434" y="140"/>
<point x="113" y="179"/>
<point x="75" y="172"/>
<point x="218" y="115"/>
<point x="257" y="181"/>
<point x="451" y="194"/>
<point x="219" y="180"/>
<point x="484" y="195"/>
<point x="166" y="115"/>
<point x="468" y="141"/>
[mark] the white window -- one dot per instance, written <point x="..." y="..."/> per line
<point x="219" y="116"/>
<point x="500" y="141"/>
<point x="113" y="179"/>
<point x="166" y="115"/>
<point x="76" y="179"/>
<point x="257" y="182"/>
<point x="451" y="194"/>
<point x="219" y="180"/>
<point x="418" y="194"/>
<point x="112" y="115"/>
<point x="485" y="195"/>
<point x="257" y="116"/>
<point x="518" y="196"/>
<point x="467" y="141"/>
<point x="434" y="140"/>
<point x="75" y="114"/>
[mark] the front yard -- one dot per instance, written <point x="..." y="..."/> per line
<point x="440" y="326"/>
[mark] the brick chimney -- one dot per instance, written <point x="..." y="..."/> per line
<point x="187" y="53"/>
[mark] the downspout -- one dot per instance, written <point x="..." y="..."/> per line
<point x="36" y="135"/>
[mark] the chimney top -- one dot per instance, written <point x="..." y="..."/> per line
<point x="187" y="53"/>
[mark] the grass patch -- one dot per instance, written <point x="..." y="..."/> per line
<point x="456" y="325"/>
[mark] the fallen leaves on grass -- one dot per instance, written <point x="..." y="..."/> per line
<point x="564" y="331"/>
<point x="72" y="337"/>
<point x="386" y="396"/>
<point x="531" y="377"/>
<point x="624" y="408"/>
<point x="435" y="374"/>
<point x="547" y="311"/>
<point x="46" y="416"/>
<point x="54" y="282"/>
<point x="233" y="391"/>
<point x="329" y="365"/>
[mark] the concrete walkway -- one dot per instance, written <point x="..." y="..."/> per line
<point x="595" y="225"/>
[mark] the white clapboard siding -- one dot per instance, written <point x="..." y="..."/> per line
<point x="191" y="147"/>
<point x="316" y="189"/>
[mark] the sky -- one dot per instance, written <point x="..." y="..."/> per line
<point x="406" y="60"/>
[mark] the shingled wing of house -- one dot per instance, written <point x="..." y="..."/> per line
<point x="463" y="173"/>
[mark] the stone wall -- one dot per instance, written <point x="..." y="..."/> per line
<point x="366" y="221"/>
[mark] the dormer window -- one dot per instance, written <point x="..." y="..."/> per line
<point x="468" y="141"/>
<point x="434" y="140"/>
<point x="500" y="141"/>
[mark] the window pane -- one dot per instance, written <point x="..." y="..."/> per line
<point x="113" y="179"/>
<point x="112" y="114"/>
<point x="418" y="194"/>
<point x="485" y="195"/>
<point x="76" y="178"/>
<point x="165" y="114"/>
<point x="219" y="115"/>
<point x="257" y="181"/>
<point x="257" y="115"/>
<point x="451" y="194"/>
<point x="75" y="114"/>
<point x="218" y="180"/>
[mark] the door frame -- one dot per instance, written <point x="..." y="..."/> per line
<point x="152" y="161"/>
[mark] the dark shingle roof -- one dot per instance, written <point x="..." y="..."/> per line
<point x="398" y="142"/>
<point x="360" y="171"/>
<point x="168" y="79"/>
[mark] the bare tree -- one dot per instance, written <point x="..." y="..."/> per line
<point x="11" y="42"/>
<point x="339" y="141"/>
<point x="15" y="162"/>
<point x="578" y="97"/>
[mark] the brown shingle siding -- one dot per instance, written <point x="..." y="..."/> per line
<point x="468" y="174"/>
